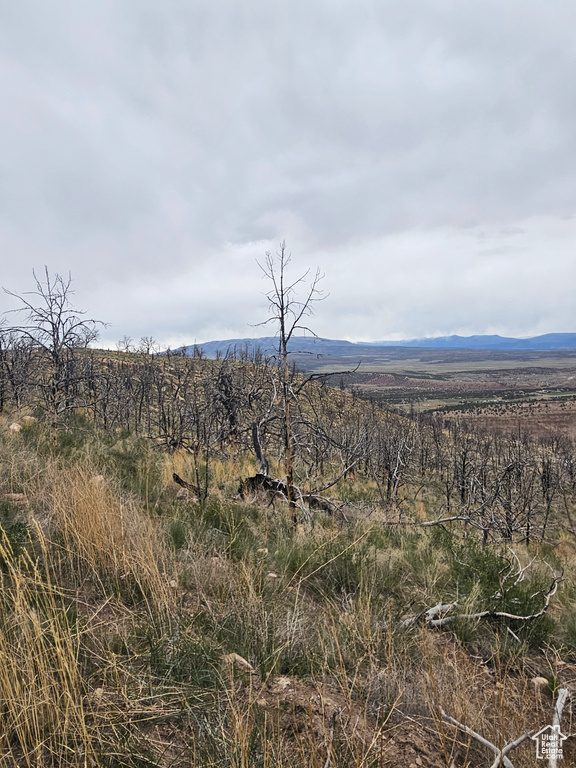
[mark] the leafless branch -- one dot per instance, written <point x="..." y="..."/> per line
<point x="501" y="754"/>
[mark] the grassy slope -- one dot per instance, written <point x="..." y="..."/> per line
<point x="122" y="607"/>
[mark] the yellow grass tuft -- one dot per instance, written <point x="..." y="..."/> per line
<point x="44" y="718"/>
<point x="108" y="539"/>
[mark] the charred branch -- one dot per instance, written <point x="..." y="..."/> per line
<point x="183" y="484"/>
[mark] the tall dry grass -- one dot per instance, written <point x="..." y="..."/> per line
<point x="91" y="546"/>
<point x="108" y="541"/>
<point x="44" y="713"/>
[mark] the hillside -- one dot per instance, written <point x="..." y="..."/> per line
<point x="421" y="568"/>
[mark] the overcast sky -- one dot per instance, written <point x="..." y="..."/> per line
<point x="422" y="153"/>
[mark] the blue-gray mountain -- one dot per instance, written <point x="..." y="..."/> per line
<point x="336" y="348"/>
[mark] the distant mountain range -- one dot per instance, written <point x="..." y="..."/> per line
<point x="546" y="341"/>
<point x="310" y="345"/>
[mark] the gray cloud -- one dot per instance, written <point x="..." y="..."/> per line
<point x="157" y="151"/>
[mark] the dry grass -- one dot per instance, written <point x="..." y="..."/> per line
<point x="108" y="540"/>
<point x="44" y="712"/>
<point x="112" y="643"/>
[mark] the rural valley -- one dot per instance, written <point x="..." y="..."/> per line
<point x="516" y="391"/>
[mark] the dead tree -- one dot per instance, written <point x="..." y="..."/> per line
<point x="444" y="614"/>
<point x="287" y="312"/>
<point x="55" y="332"/>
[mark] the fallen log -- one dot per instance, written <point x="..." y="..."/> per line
<point x="183" y="484"/>
<point x="278" y="489"/>
<point x="445" y="613"/>
<point x="260" y="482"/>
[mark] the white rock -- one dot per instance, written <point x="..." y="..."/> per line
<point x="235" y="660"/>
<point x="282" y="683"/>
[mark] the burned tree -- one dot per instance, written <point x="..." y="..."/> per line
<point x="287" y="312"/>
<point x="53" y="331"/>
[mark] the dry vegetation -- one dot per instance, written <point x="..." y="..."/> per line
<point x="323" y="581"/>
<point x="139" y="629"/>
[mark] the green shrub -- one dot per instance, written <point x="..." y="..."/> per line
<point x="492" y="578"/>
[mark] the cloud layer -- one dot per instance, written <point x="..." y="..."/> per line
<point x="422" y="153"/>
